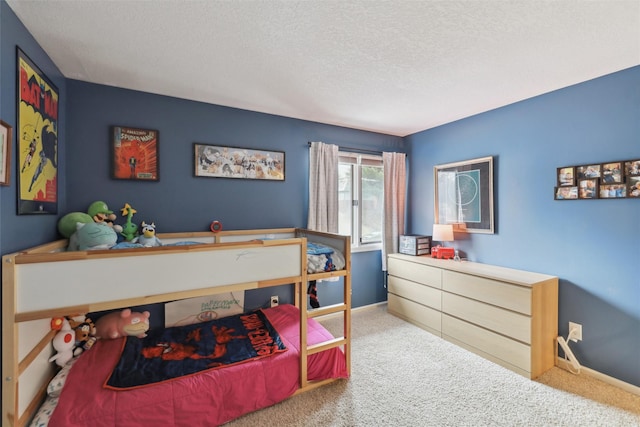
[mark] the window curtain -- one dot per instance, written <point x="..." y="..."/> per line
<point x="395" y="176"/>
<point x="323" y="187"/>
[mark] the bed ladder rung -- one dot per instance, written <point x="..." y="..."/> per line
<point x="330" y="309"/>
<point x="317" y="348"/>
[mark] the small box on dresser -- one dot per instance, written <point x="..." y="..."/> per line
<point x="410" y="244"/>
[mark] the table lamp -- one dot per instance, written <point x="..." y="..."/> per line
<point x="442" y="233"/>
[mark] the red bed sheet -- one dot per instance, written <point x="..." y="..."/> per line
<point x="207" y="399"/>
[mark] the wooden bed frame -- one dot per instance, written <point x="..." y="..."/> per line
<point x="46" y="281"/>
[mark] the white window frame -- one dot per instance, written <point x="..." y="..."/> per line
<point x="357" y="160"/>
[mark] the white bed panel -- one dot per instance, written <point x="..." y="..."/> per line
<point x="48" y="285"/>
<point x="30" y="334"/>
<point x="198" y="239"/>
<point x="38" y="373"/>
<point x="226" y="238"/>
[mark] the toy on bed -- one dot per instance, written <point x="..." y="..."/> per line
<point x="123" y="323"/>
<point x="64" y="342"/>
<point x="67" y="225"/>
<point x="148" y="237"/>
<point x="85" y="333"/>
<point x="92" y="236"/>
<point x="100" y="212"/>
<point x="130" y="230"/>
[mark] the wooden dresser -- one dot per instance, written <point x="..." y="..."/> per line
<point x="507" y="316"/>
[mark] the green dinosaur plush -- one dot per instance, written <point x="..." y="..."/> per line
<point x="129" y="230"/>
<point x="67" y="224"/>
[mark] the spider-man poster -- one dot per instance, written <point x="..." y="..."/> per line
<point x="37" y="138"/>
<point x="135" y="153"/>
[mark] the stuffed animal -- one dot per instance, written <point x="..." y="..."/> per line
<point x="68" y="224"/>
<point x="92" y="236"/>
<point x="85" y="333"/>
<point x="148" y="237"/>
<point x="63" y="343"/>
<point x="130" y="230"/>
<point x="99" y="212"/>
<point x="123" y="323"/>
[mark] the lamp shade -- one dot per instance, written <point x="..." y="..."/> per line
<point x="442" y="233"/>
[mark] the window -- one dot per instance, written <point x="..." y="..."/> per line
<point x="360" y="193"/>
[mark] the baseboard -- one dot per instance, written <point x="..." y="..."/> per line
<point x="600" y="376"/>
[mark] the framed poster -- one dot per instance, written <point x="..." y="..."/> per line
<point x="37" y="139"/>
<point x="5" y="153"/>
<point x="134" y="154"/>
<point x="233" y="162"/>
<point x="464" y="195"/>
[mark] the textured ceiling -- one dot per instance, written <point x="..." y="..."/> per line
<point x="395" y="67"/>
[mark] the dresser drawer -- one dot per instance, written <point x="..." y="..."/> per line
<point x="421" y="294"/>
<point x="415" y="313"/>
<point x="415" y="272"/>
<point x="506" y="295"/>
<point x="502" y="349"/>
<point x="505" y="322"/>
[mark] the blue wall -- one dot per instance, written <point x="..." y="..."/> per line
<point x="26" y="230"/>
<point x="591" y="245"/>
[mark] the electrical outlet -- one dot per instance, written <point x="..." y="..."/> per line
<point x="575" y="332"/>
<point x="274" y="300"/>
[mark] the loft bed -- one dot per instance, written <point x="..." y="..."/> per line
<point x="44" y="282"/>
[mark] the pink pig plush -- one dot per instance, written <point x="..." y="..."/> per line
<point x="123" y="323"/>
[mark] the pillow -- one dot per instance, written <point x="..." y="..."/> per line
<point x="318" y="249"/>
<point x="55" y="385"/>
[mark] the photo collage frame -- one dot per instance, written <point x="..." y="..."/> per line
<point x="611" y="180"/>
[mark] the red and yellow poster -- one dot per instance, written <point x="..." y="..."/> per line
<point x="135" y="153"/>
<point x="37" y="139"/>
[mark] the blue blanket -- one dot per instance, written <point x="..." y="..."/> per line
<point x="171" y="353"/>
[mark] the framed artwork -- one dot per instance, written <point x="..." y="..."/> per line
<point x="134" y="154"/>
<point x="612" y="173"/>
<point x="633" y="186"/>
<point x="566" y="177"/>
<point x="632" y="167"/>
<point x="216" y="161"/>
<point x="5" y="153"/>
<point x="588" y="188"/>
<point x="566" y="193"/>
<point x="464" y="195"/>
<point x="588" y="171"/>
<point x="37" y="139"/>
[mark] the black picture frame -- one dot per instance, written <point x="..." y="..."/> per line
<point x="612" y="173"/>
<point x="463" y="195"/>
<point x="613" y="191"/>
<point x="36" y="138"/>
<point x="633" y="186"/>
<point x="588" y="188"/>
<point x="223" y="161"/>
<point x="566" y="192"/>
<point x="588" y="171"/>
<point x="135" y="153"/>
<point x="632" y="167"/>
<point x="567" y="176"/>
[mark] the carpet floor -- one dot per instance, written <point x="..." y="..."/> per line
<point x="402" y="375"/>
